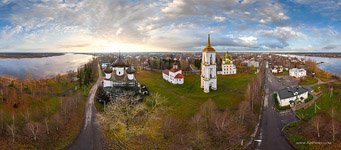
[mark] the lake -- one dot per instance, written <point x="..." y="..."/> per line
<point x="332" y="65"/>
<point x="42" y="67"/>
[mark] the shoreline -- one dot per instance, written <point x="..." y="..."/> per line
<point x="28" y="55"/>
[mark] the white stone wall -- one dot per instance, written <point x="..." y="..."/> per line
<point x="286" y="102"/>
<point x="119" y="71"/>
<point x="208" y="72"/>
<point x="130" y="76"/>
<point x="107" y="83"/>
<point x="107" y="75"/>
<point x="297" y="73"/>
<point x="228" y="69"/>
<point x="171" y="77"/>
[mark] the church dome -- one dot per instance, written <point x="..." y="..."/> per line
<point x="108" y="70"/>
<point x="130" y="70"/>
<point x="208" y="47"/>
<point x="119" y="63"/>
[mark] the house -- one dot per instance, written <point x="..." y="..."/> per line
<point x="173" y="75"/>
<point x="297" y="73"/>
<point x="280" y="68"/>
<point x="274" y="70"/>
<point x="292" y="95"/>
<point x="277" y="69"/>
<point x="227" y="66"/>
<point x="251" y="63"/>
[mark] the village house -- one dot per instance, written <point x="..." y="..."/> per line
<point x="292" y="95"/>
<point x="277" y="69"/>
<point x="173" y="75"/>
<point x="297" y="73"/>
<point x="251" y="63"/>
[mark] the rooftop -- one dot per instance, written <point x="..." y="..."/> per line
<point x="292" y="91"/>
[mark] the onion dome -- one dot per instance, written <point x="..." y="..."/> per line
<point x="108" y="70"/>
<point x="208" y="47"/>
<point x="119" y="63"/>
<point x="130" y="70"/>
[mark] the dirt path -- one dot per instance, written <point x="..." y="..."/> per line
<point x="90" y="135"/>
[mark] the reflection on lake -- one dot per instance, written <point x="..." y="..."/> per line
<point x="332" y="65"/>
<point x="42" y="67"/>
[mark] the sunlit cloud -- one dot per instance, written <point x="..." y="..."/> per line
<point x="170" y="25"/>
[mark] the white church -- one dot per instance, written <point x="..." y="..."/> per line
<point x="120" y="74"/>
<point x="227" y="66"/>
<point x="208" y="68"/>
<point x="173" y="75"/>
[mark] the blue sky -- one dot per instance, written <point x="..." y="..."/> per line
<point x="169" y="25"/>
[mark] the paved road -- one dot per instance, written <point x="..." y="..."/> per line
<point x="90" y="135"/>
<point x="270" y="136"/>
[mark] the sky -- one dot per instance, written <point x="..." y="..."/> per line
<point x="169" y="25"/>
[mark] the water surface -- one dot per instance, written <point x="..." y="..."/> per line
<point x="42" y="67"/>
<point x="332" y="65"/>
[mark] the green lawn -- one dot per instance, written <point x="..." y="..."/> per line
<point x="324" y="103"/>
<point x="291" y="132"/>
<point x="186" y="99"/>
<point x="308" y="80"/>
<point x="294" y="130"/>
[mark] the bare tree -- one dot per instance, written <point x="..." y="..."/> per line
<point x="206" y="110"/>
<point x="243" y="108"/>
<point x="12" y="128"/>
<point x="333" y="124"/>
<point x="316" y="124"/>
<point x="1" y="120"/>
<point x="1" y="96"/>
<point x="33" y="127"/>
<point x="46" y="120"/>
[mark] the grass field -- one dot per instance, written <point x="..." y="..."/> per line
<point x="308" y="80"/>
<point x="185" y="99"/>
<point x="325" y="102"/>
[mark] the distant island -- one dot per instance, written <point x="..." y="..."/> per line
<point x="327" y="55"/>
<point x="28" y="55"/>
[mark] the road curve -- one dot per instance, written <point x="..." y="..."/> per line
<point x="90" y="135"/>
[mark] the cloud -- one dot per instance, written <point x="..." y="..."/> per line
<point x="219" y="18"/>
<point x="68" y="46"/>
<point x="282" y="33"/>
<point x="248" y="40"/>
<point x="166" y="24"/>
<point x="9" y="31"/>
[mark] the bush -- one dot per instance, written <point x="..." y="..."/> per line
<point x="310" y="97"/>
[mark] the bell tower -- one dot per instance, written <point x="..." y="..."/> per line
<point x="208" y="67"/>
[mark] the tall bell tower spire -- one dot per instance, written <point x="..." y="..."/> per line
<point x="209" y="40"/>
<point x="208" y="67"/>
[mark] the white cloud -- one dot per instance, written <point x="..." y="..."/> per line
<point x="282" y="33"/>
<point x="174" y="8"/>
<point x="173" y="24"/>
<point x="248" y="40"/>
<point x="219" y="18"/>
